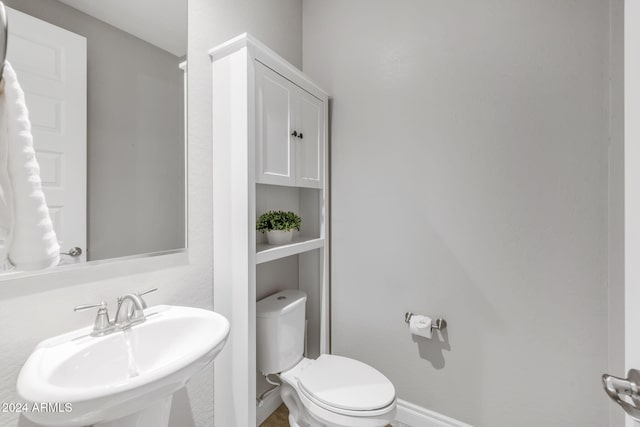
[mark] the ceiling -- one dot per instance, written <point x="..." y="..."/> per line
<point x="162" y="23"/>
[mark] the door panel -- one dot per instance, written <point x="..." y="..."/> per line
<point x="309" y="122"/>
<point x="51" y="64"/>
<point x="273" y="127"/>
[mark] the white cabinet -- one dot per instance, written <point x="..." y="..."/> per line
<point x="309" y="121"/>
<point x="290" y="132"/>
<point x="270" y="152"/>
<point x="274" y="96"/>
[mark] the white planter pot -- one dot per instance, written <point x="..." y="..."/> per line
<point x="279" y="237"/>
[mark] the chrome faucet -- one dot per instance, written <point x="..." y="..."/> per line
<point x="130" y="312"/>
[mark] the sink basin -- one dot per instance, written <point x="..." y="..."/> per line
<point x="125" y="378"/>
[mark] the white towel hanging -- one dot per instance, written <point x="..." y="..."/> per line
<point x="30" y="242"/>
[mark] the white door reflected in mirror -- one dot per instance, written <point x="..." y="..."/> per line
<point x="52" y="67"/>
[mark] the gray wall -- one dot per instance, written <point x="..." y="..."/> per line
<point x="469" y="178"/>
<point x="135" y="141"/>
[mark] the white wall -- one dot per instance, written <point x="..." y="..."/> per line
<point x="469" y="179"/>
<point x="30" y="318"/>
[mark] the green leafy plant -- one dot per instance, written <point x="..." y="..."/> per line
<point x="278" y="220"/>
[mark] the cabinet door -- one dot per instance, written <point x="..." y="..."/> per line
<point x="273" y="139"/>
<point x="310" y="124"/>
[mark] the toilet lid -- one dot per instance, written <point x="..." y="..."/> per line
<point x="343" y="383"/>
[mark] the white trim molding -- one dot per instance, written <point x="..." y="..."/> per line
<point x="410" y="415"/>
<point x="270" y="59"/>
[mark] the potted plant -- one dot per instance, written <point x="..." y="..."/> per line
<point x="279" y="226"/>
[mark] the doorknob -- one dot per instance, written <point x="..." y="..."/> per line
<point x="625" y="392"/>
<point x="73" y="252"/>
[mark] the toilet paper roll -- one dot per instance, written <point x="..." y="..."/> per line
<point x="420" y="325"/>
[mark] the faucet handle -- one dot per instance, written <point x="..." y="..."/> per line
<point x="101" y="306"/>
<point x="102" y="325"/>
<point x="148" y="291"/>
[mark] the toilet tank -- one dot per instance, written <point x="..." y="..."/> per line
<point x="280" y="327"/>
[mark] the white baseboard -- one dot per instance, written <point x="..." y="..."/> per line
<point x="410" y="415"/>
<point x="407" y="414"/>
<point x="269" y="404"/>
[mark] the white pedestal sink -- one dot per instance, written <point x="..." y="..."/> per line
<point x="125" y="379"/>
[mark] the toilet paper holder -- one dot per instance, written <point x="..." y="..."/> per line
<point x="437" y="324"/>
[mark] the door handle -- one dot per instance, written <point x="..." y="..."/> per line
<point x="74" y="252"/>
<point x="625" y="392"/>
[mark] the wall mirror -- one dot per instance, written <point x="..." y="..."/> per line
<point x="104" y="85"/>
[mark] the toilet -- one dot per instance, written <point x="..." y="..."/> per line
<point x="332" y="391"/>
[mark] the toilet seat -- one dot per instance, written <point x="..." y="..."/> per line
<point x="311" y="409"/>
<point x="346" y="386"/>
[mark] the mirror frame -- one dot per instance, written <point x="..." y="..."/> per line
<point x="22" y="283"/>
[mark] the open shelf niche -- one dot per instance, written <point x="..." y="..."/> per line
<point x="297" y="265"/>
<point x="306" y="202"/>
<point x="301" y="271"/>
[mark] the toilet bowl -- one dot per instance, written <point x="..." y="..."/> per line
<point x="337" y="391"/>
<point x="332" y="391"/>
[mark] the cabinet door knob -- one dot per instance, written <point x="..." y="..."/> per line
<point x="300" y="136"/>
<point x="295" y="133"/>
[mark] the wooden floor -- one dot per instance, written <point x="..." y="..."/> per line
<point x="280" y="418"/>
